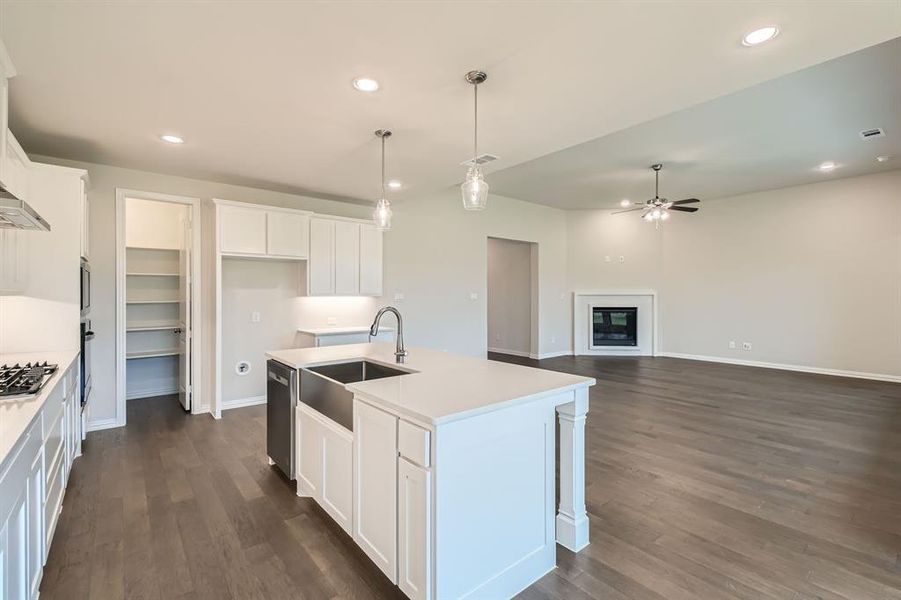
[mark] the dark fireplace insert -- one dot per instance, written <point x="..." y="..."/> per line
<point x="614" y="326"/>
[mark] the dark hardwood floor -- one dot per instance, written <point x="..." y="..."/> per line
<point x="704" y="481"/>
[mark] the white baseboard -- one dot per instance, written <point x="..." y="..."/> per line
<point x="134" y="395"/>
<point x="242" y="402"/>
<point x="511" y="352"/>
<point x="785" y="367"/>
<point x="553" y="354"/>
<point x="102" y="424"/>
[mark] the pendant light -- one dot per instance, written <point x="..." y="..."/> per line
<point x="382" y="213"/>
<point x="474" y="187"/>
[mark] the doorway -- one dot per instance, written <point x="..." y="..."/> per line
<point x="512" y="297"/>
<point x="158" y="299"/>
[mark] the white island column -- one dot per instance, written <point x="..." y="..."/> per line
<point x="572" y="518"/>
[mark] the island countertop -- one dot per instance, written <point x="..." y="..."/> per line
<point x="441" y="386"/>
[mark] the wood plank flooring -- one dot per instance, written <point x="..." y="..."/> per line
<point x="704" y="481"/>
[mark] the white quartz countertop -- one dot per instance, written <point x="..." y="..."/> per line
<point x="17" y="415"/>
<point x="323" y="331"/>
<point x="441" y="386"/>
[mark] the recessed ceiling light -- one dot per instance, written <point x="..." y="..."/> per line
<point x="365" y="84"/>
<point x="172" y="139"/>
<point x="394" y="184"/>
<point x="759" y="36"/>
<point x="883" y="158"/>
<point x="827" y="166"/>
<point x="624" y="203"/>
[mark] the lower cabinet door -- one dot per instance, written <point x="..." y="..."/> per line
<point x="309" y="454"/>
<point x="375" y="486"/>
<point x="35" y="524"/>
<point x="414" y="530"/>
<point x="337" y="475"/>
<point x="14" y="550"/>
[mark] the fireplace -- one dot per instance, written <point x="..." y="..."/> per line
<point x="614" y="326"/>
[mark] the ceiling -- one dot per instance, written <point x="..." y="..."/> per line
<point x="262" y="92"/>
<point x="771" y="135"/>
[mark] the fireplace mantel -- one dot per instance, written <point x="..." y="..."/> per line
<point x="644" y="300"/>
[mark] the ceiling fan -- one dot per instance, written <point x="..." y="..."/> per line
<point x="658" y="209"/>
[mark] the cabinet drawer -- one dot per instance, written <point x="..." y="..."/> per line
<point x="413" y="443"/>
<point x="53" y="443"/>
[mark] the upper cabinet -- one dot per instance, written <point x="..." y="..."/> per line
<point x="263" y="232"/>
<point x="342" y="256"/>
<point x="85" y="222"/>
<point x="14" y="165"/>
<point x="13" y="256"/>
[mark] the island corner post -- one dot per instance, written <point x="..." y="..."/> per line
<point x="572" y="518"/>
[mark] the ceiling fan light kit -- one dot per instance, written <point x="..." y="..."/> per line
<point x="659" y="209"/>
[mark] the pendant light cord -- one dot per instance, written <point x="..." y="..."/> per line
<point x="656" y="183"/>
<point x="384" y="192"/>
<point x="475" y="136"/>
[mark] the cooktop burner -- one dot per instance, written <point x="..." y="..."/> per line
<point x="20" y="381"/>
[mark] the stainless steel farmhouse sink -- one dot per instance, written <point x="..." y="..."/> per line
<point x="322" y="388"/>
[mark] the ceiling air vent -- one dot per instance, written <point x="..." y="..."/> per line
<point x="872" y="133"/>
<point x="479" y="160"/>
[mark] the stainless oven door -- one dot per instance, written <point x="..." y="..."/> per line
<point x="86" y="336"/>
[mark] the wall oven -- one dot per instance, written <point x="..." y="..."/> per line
<point x="85" y="287"/>
<point x="86" y="336"/>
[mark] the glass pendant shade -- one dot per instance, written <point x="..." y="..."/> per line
<point x="382" y="215"/>
<point x="475" y="190"/>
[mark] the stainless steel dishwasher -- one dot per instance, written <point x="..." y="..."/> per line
<point x="281" y="401"/>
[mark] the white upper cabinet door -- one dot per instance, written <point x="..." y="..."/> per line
<point x="288" y="234"/>
<point x="370" y="261"/>
<point x="347" y="258"/>
<point x="242" y="230"/>
<point x="321" y="266"/>
<point x="85" y="222"/>
<point x="13" y="253"/>
<point x="375" y="486"/>
<point x="14" y="168"/>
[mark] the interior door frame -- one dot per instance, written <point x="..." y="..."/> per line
<point x="194" y="204"/>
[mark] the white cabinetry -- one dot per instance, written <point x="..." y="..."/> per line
<point x="370" y="261"/>
<point x="321" y="268"/>
<point x="287" y="234"/>
<point x="242" y="230"/>
<point x="32" y="483"/>
<point x="414" y="505"/>
<point x="347" y="258"/>
<point x="254" y="231"/>
<point x="85" y="222"/>
<point x="325" y="464"/>
<point x="375" y="486"/>
<point x="13" y="254"/>
<point x="14" y="165"/>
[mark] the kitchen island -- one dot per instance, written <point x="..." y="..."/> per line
<point x="445" y="476"/>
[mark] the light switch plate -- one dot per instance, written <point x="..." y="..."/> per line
<point x="473" y="295"/>
<point x="398" y="296"/>
<point x="255" y="317"/>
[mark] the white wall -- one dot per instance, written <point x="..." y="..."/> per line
<point x="46" y="316"/>
<point x="509" y="296"/>
<point x="436" y="256"/>
<point x="154" y="224"/>
<point x="810" y="275"/>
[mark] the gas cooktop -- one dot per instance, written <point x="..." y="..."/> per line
<point x="20" y="381"/>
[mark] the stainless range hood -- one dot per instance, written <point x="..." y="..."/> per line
<point x="17" y="214"/>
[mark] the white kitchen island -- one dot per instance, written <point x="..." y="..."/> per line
<point x="447" y="479"/>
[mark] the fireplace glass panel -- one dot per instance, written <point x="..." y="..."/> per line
<point x="614" y="326"/>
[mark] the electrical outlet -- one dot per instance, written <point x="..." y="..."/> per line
<point x="731" y="344"/>
<point x="553" y="339"/>
<point x="332" y="320"/>
<point x="497" y="337"/>
<point x="746" y="346"/>
<point x="622" y="259"/>
<point x="255" y="317"/>
<point x="398" y="296"/>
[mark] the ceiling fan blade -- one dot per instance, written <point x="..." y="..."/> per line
<point x="686" y="201"/>
<point x="616" y="212"/>
<point x="685" y="208"/>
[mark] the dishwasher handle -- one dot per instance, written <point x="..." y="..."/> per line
<point x="276" y="377"/>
